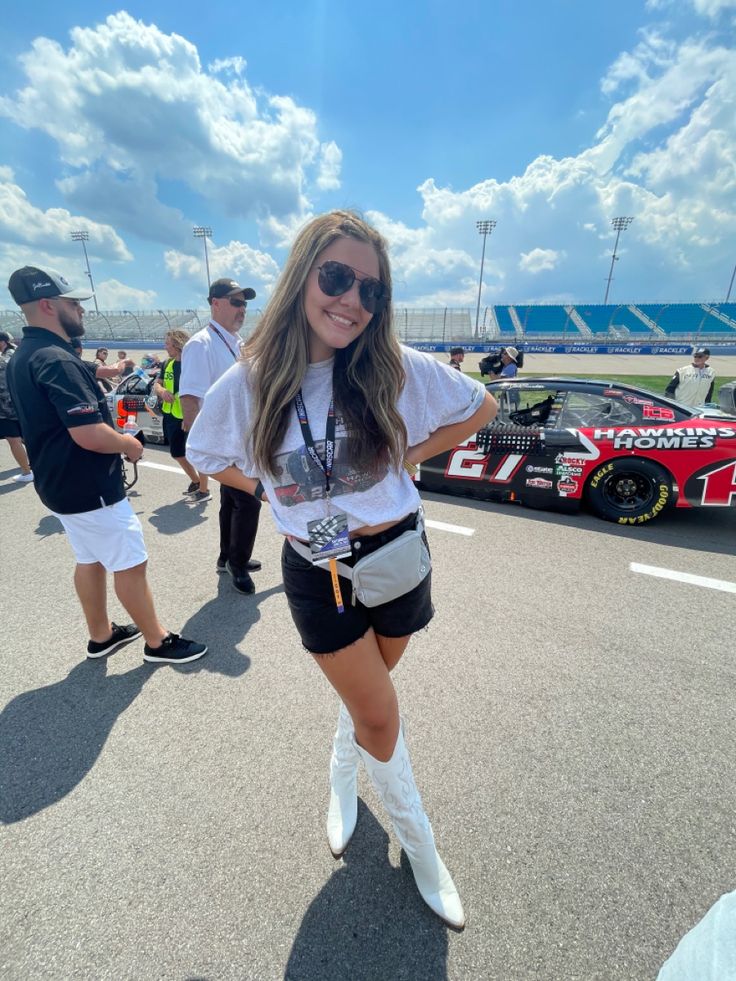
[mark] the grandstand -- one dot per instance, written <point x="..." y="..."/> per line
<point x="653" y="323"/>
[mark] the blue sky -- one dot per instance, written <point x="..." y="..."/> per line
<point x="138" y="122"/>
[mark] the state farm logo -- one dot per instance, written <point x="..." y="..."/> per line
<point x="531" y="469"/>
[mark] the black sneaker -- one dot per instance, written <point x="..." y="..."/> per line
<point x="119" y="637"/>
<point x="221" y="566"/>
<point x="200" y="497"/>
<point x="194" y="486"/>
<point x="174" y="650"/>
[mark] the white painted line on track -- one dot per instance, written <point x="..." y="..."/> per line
<point x="160" y="466"/>
<point x="455" y="529"/>
<point x="438" y="525"/>
<point x="654" y="570"/>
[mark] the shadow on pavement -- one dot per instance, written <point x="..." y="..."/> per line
<point x="222" y="624"/>
<point x="51" y="737"/>
<point x="13" y="485"/>
<point x="49" y="525"/>
<point x="369" y="921"/>
<point x="170" y="519"/>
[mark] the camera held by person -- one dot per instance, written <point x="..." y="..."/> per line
<point x="493" y="364"/>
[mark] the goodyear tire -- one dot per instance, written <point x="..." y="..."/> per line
<point x="629" y="492"/>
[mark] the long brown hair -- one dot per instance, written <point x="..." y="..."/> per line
<point x="368" y="374"/>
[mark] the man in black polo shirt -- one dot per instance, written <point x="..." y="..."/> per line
<point x="76" y="456"/>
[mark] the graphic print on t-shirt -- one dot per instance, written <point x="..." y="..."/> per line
<point x="298" y="478"/>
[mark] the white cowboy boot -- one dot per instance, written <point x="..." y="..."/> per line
<point x="394" y="782"/>
<point x="343" y="810"/>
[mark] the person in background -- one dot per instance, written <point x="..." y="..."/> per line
<point x="76" y="456"/>
<point x="9" y="425"/>
<point x="457" y="356"/>
<point x="108" y="376"/>
<point x="693" y="384"/>
<point x="509" y="363"/>
<point x="128" y="364"/>
<point x="166" y="388"/>
<point x="207" y="357"/>
<point x="324" y="360"/>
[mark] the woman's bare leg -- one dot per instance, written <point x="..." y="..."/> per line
<point x="392" y="649"/>
<point x="360" y="677"/>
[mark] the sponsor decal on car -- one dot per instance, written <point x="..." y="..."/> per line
<point x="642" y="438"/>
<point x="612" y="391"/>
<point x="562" y="459"/>
<point x="531" y="469"/>
<point x="635" y="400"/>
<point x="566" y="487"/>
<point x="713" y="486"/>
<point x="539" y="482"/>
<point x="563" y="470"/>
<point x="660" y="412"/>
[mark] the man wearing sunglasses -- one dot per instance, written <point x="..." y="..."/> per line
<point x="693" y="384"/>
<point x="205" y="358"/>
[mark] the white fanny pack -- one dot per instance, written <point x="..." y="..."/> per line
<point x="391" y="571"/>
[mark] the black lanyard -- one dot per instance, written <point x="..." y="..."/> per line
<point x="235" y="357"/>
<point x="324" y="465"/>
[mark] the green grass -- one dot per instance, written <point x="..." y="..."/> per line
<point x="654" y="383"/>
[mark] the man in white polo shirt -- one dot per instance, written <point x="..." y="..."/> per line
<point x="205" y="358"/>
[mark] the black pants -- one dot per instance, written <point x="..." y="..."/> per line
<point x="238" y="525"/>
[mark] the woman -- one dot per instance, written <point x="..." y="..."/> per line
<point x="9" y="425"/>
<point x="324" y="349"/>
<point x="166" y="388"/>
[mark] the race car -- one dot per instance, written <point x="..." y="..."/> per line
<point x="134" y="396"/>
<point x="627" y="453"/>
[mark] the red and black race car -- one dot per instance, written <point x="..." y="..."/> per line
<point x="627" y="453"/>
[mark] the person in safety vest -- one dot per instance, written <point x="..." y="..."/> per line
<point x="693" y="384"/>
<point x="166" y="388"/>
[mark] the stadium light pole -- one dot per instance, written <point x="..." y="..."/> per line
<point x="620" y="224"/>
<point x="485" y="228"/>
<point x="204" y="232"/>
<point x="730" y="285"/>
<point x="82" y="236"/>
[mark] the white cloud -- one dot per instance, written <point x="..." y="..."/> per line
<point x="665" y="155"/>
<point x="228" y="66"/>
<point x="114" y="295"/>
<point x="707" y="8"/>
<point x="128" y="201"/>
<point x="23" y="222"/>
<point x="246" y="264"/>
<point x="132" y="100"/>
<point x="540" y="260"/>
<point x="275" y="232"/>
<point x="328" y="178"/>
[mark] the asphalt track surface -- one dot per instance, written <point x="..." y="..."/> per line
<point x="570" y="722"/>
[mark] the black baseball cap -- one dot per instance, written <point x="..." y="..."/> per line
<point x="698" y="351"/>
<point x="31" y="283"/>
<point x="228" y="287"/>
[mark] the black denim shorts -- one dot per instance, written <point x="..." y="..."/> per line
<point x="322" y="628"/>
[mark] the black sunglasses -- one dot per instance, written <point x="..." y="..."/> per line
<point x="335" y="278"/>
<point x="237" y="303"/>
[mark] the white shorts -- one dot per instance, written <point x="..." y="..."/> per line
<point x="111" y="536"/>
